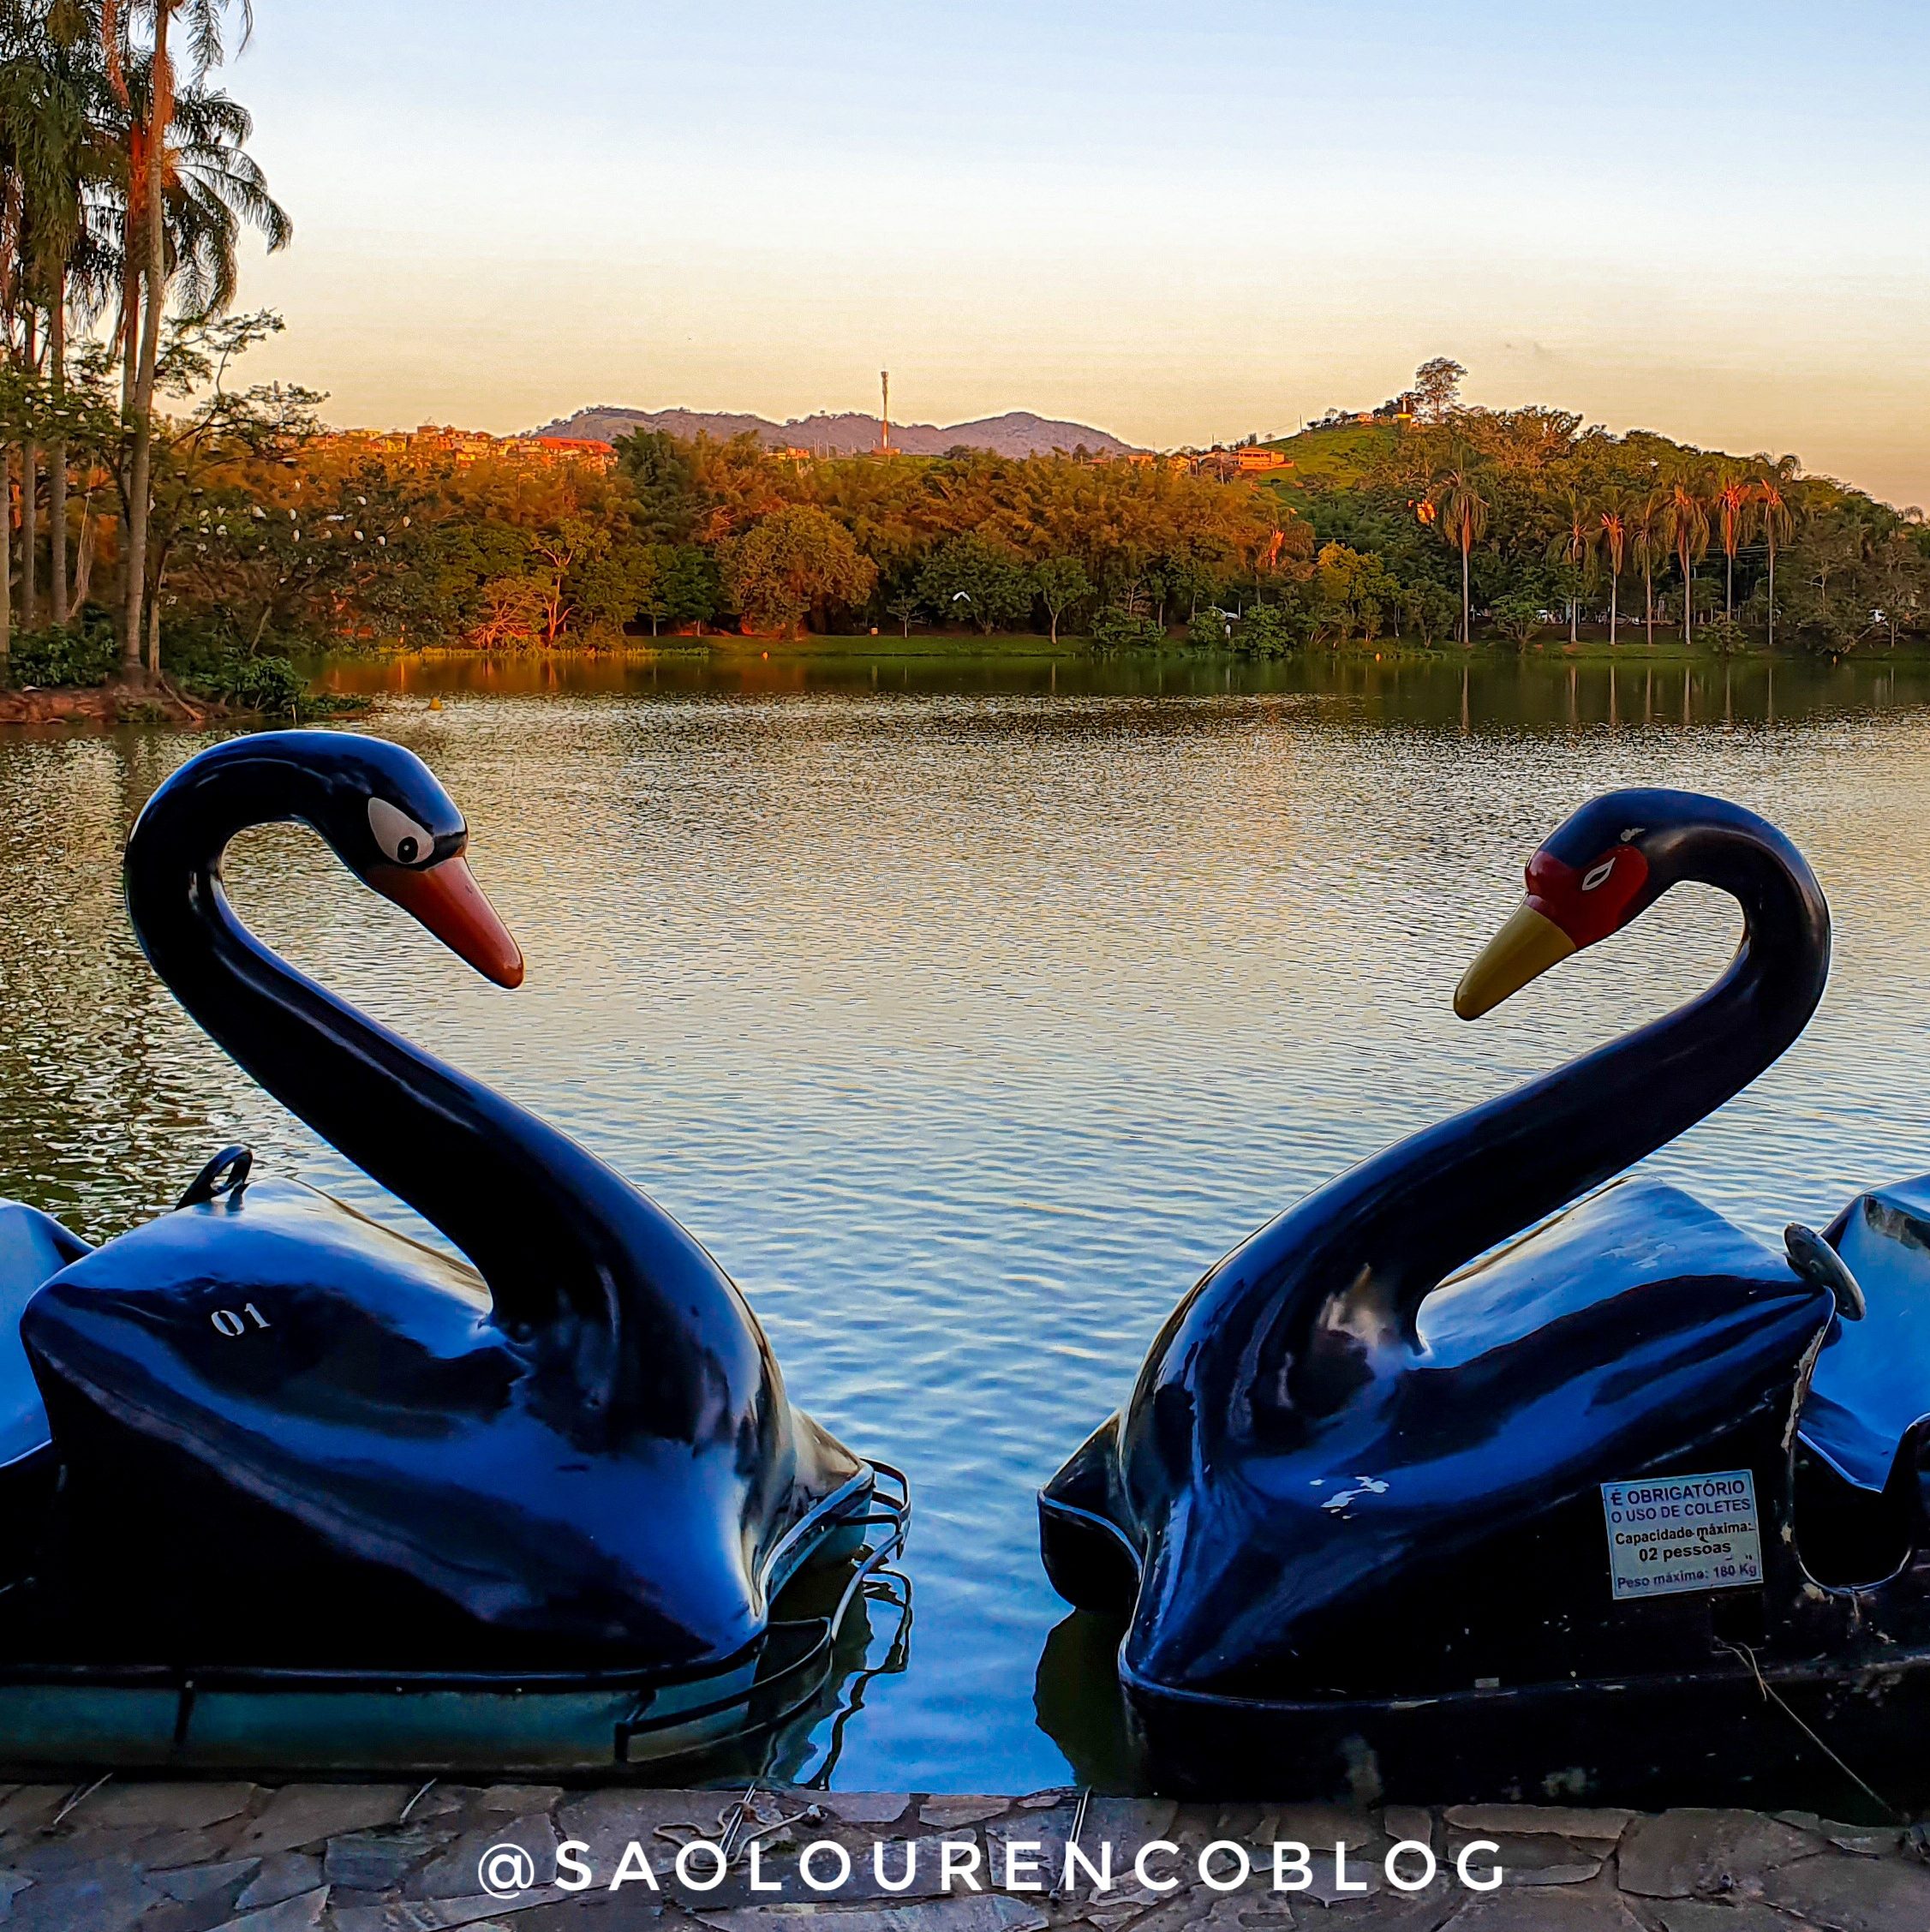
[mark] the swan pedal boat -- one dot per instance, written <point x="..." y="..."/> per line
<point x="1406" y="1501"/>
<point x="290" y="1491"/>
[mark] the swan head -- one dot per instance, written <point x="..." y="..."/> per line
<point x="1594" y="875"/>
<point x="390" y="822"/>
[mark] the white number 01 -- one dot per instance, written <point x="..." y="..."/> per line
<point x="227" y="1323"/>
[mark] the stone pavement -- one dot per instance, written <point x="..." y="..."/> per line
<point x="240" y="1858"/>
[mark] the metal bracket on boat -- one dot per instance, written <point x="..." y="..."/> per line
<point x="889" y="1511"/>
<point x="226" y="1174"/>
<point x="1816" y="1261"/>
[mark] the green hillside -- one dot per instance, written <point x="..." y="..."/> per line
<point x="1338" y="458"/>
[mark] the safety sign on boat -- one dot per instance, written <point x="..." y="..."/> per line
<point x="1682" y="1533"/>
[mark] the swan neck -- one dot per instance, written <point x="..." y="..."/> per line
<point x="1342" y="1274"/>
<point x="570" y="1251"/>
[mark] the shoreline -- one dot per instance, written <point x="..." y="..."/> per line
<point x="335" y="677"/>
<point x="114" y="703"/>
<point x="1014" y="645"/>
<point x="103" y="706"/>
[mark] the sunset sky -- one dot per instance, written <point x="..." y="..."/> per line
<point x="1177" y="223"/>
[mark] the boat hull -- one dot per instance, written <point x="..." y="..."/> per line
<point x="62" y="1719"/>
<point x="1720" y="1736"/>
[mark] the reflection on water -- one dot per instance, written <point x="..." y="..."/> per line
<point x="967" y="1021"/>
<point x="1490" y="689"/>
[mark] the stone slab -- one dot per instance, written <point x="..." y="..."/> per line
<point x="1521" y="1820"/>
<point x="301" y="1913"/>
<point x="282" y="1874"/>
<point x="962" y="1810"/>
<point x="858" y="1808"/>
<point x="1700" y="1854"/>
<point x="988" y="1912"/>
<point x="1695" y="1914"/>
<point x="1852" y="1894"/>
<point x="457" y="1872"/>
<point x="157" y="1807"/>
<point x="1546" y="1911"/>
<point x="108" y="1898"/>
<point x="186" y="1883"/>
<point x="300" y="1815"/>
<point x="444" y="1915"/>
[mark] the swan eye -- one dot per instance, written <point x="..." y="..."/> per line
<point x="398" y="835"/>
<point x="1599" y="876"/>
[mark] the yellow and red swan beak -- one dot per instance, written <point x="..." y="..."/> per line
<point x="1522" y="950"/>
<point x="445" y="898"/>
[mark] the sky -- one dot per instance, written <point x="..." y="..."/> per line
<point x="1180" y="224"/>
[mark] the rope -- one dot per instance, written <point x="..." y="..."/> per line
<point x="1773" y="1697"/>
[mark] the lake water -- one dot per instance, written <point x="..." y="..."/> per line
<point x="968" y="1011"/>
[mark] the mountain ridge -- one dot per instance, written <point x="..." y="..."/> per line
<point x="848" y="433"/>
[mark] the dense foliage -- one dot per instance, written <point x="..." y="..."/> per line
<point x="161" y="514"/>
<point x="125" y="187"/>
<point x="268" y="532"/>
<point x="1438" y="520"/>
<point x="273" y="533"/>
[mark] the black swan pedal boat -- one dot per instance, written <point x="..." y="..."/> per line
<point x="1400" y="1509"/>
<point x="287" y="1491"/>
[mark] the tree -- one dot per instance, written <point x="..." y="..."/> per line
<point x="905" y="607"/>
<point x="213" y="465"/>
<point x="1736" y="511"/>
<point x="1266" y="631"/>
<point x="1430" y="610"/>
<point x="614" y="580"/>
<point x="1648" y="538"/>
<point x="1356" y="592"/>
<point x="1687" y="518"/>
<point x="1612" y="523"/>
<point x="1575" y="547"/>
<point x="975" y="580"/>
<point x="794" y="561"/>
<point x="1462" y="513"/>
<point x="1773" y="484"/>
<point x="52" y="82"/>
<point x="207" y="194"/>
<point x="1902" y="571"/>
<point x="1831" y="599"/>
<point x="1208" y="630"/>
<point x="1117" y="630"/>
<point x="1062" y="583"/>
<point x="1437" y="388"/>
<point x="1518" y="616"/>
<point x="688" y="584"/>
<point x="662" y="473"/>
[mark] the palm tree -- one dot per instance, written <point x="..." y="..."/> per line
<point x="1575" y="545"/>
<point x="52" y="89"/>
<point x="148" y="118"/>
<point x="1777" y="513"/>
<point x="1687" y="518"/>
<point x="1612" y="522"/>
<point x="1735" y="513"/>
<point x="1462" y="512"/>
<point x="1648" y="537"/>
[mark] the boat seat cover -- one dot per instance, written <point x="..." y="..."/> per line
<point x="1615" y="1243"/>
<point x="1872" y="1386"/>
<point x="290" y="1435"/>
<point x="32" y="1247"/>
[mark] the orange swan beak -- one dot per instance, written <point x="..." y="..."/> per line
<point x="445" y="898"/>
